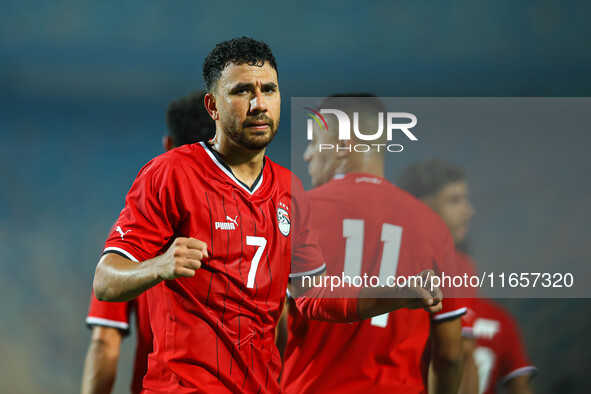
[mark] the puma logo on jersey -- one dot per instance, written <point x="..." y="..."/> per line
<point x="233" y="220"/>
<point x="120" y="231"/>
<point x="231" y="224"/>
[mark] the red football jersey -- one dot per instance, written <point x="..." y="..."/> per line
<point x="117" y="315"/>
<point x="360" y="219"/>
<point x="214" y="332"/>
<point x="499" y="354"/>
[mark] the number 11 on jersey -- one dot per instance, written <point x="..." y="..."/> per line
<point x="354" y="232"/>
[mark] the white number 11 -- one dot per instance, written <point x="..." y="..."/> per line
<point x="353" y="231"/>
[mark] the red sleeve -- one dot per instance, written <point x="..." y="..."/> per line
<point x="108" y="314"/>
<point x="146" y="223"/>
<point x="307" y="258"/>
<point x="513" y="361"/>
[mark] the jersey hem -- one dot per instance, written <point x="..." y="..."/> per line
<point x="120" y="252"/>
<point x="98" y="321"/>
<point x="528" y="370"/>
<point x="449" y="315"/>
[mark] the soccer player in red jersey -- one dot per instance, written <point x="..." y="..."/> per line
<point x="212" y="226"/>
<point x="360" y="218"/>
<point x="188" y="122"/>
<point x="498" y="352"/>
<point x="503" y="365"/>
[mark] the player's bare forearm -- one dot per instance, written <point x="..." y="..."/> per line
<point x="448" y="356"/>
<point x="100" y="365"/>
<point x="519" y="385"/>
<point x="118" y="279"/>
<point x="449" y="376"/>
<point x="320" y="303"/>
<point x="368" y="306"/>
<point x="379" y="300"/>
<point x="470" y="370"/>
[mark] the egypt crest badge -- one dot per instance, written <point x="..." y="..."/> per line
<point x="283" y="219"/>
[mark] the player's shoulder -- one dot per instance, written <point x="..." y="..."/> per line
<point x="422" y="214"/>
<point x="172" y="161"/>
<point x="493" y="309"/>
<point x="277" y="169"/>
<point x="283" y="176"/>
<point x="180" y="154"/>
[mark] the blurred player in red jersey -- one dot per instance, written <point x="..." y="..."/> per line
<point x="360" y="218"/>
<point x="213" y="226"/>
<point x="503" y="365"/>
<point x="188" y="122"/>
<point x="498" y="353"/>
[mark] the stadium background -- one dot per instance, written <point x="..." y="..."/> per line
<point x="84" y="86"/>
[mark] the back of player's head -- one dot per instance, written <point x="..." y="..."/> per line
<point x="367" y="105"/>
<point x="363" y="103"/>
<point x="428" y="177"/>
<point x="188" y="120"/>
<point x="241" y="50"/>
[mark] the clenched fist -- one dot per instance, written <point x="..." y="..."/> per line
<point x="181" y="259"/>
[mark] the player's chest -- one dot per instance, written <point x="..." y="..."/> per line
<point x="236" y="225"/>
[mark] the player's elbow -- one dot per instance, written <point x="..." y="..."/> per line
<point x="100" y="285"/>
<point x="450" y="358"/>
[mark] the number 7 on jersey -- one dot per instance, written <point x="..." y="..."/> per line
<point x="261" y="243"/>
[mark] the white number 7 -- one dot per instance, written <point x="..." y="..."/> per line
<point x="261" y="243"/>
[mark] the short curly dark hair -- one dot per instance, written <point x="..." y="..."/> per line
<point x="428" y="177"/>
<point x="242" y="50"/>
<point x="188" y="121"/>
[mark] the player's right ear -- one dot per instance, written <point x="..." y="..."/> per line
<point x="211" y="106"/>
<point x="344" y="148"/>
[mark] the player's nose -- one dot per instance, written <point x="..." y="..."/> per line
<point x="258" y="102"/>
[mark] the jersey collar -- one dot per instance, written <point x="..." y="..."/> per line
<point x="215" y="157"/>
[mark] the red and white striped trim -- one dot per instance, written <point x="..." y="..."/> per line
<point x="528" y="370"/>
<point x="447" y="315"/>
<point x="122" y="251"/>
<point x="98" y="321"/>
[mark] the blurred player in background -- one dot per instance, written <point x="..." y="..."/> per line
<point x="360" y="218"/>
<point x="498" y="353"/>
<point x="188" y="122"/>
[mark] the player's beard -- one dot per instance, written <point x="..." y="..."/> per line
<point x="240" y="135"/>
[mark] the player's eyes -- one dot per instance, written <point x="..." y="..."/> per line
<point x="455" y="200"/>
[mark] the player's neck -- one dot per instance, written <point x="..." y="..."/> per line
<point x="246" y="165"/>
<point x="370" y="167"/>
